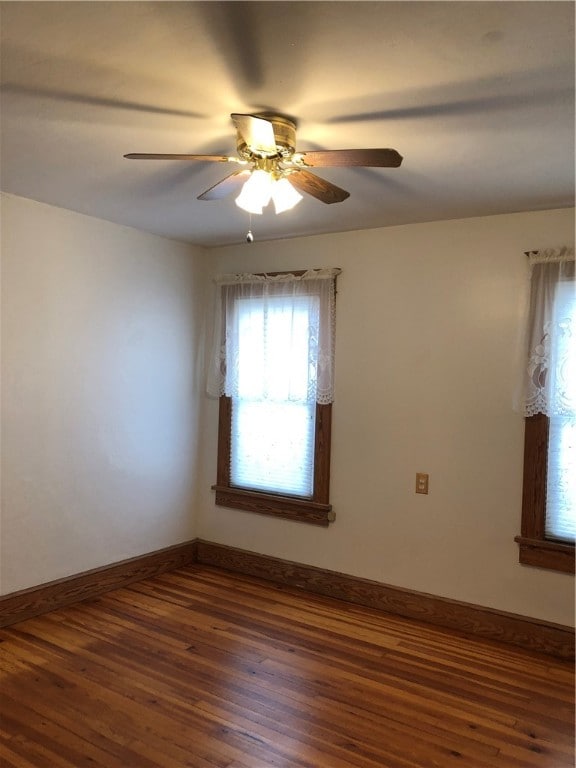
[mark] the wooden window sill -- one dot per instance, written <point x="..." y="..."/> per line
<point x="543" y="553"/>
<point x="287" y="507"/>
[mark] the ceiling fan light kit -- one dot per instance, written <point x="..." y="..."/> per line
<point x="266" y="143"/>
<point x="263" y="185"/>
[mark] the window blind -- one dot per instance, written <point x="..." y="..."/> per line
<point x="272" y="446"/>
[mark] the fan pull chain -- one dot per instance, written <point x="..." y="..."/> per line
<point x="249" y="235"/>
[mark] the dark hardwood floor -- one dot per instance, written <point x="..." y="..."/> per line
<point x="201" y="668"/>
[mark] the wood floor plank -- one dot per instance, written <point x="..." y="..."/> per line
<point x="204" y="669"/>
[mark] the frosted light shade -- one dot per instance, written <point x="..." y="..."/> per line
<point x="256" y="192"/>
<point x="284" y="196"/>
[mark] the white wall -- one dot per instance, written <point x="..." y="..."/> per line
<point x="427" y="328"/>
<point x="104" y="456"/>
<point x="99" y="392"/>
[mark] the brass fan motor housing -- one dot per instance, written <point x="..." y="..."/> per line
<point x="284" y="135"/>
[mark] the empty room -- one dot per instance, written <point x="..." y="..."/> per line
<point x="288" y="376"/>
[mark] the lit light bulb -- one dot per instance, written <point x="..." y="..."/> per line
<point x="284" y="195"/>
<point x="256" y="192"/>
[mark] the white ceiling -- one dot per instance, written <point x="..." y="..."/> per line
<point x="478" y="97"/>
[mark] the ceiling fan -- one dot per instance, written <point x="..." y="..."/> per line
<point x="272" y="168"/>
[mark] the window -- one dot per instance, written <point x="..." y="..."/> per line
<point x="549" y="403"/>
<point x="272" y="368"/>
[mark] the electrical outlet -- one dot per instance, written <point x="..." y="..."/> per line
<point x="421" y="482"/>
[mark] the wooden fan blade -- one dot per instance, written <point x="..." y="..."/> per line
<point x="204" y="158"/>
<point x="319" y="188"/>
<point x="225" y="186"/>
<point x="256" y="132"/>
<point x="369" y="158"/>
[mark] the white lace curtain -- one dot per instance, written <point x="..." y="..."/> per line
<point x="548" y="383"/>
<point x="273" y="337"/>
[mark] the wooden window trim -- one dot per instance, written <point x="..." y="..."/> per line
<point x="317" y="510"/>
<point x="534" y="548"/>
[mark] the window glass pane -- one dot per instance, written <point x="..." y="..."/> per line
<point x="273" y="415"/>
<point x="561" y="479"/>
<point x="561" y="470"/>
<point x="273" y="446"/>
<point x="274" y="343"/>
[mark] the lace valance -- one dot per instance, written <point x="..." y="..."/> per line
<point x="273" y="336"/>
<point x="549" y="373"/>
